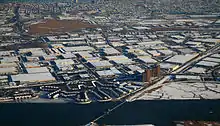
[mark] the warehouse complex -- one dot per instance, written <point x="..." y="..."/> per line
<point x="94" y="52"/>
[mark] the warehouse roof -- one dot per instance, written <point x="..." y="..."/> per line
<point x="64" y="61"/>
<point x="8" y="70"/>
<point x="38" y="70"/>
<point x="99" y="43"/>
<point x="57" y="45"/>
<point x="116" y="44"/>
<point x="141" y="28"/>
<point x="138" y="52"/>
<point x="8" y="65"/>
<point x="78" y="48"/>
<point x="153" y="52"/>
<point x="135" y="68"/>
<point x="9" y="59"/>
<point x="147" y="59"/>
<point x="209" y="40"/>
<point x="216" y="55"/>
<point x="197" y="70"/>
<point x="113" y="71"/>
<point x="50" y="57"/>
<point x="31" y="64"/>
<point x="38" y="53"/>
<point x="121" y="59"/>
<point x="212" y="59"/>
<point x="166" y="52"/>
<point x="103" y="63"/>
<point x="3" y="77"/>
<point x="167" y="65"/>
<point x="102" y="46"/>
<point x="36" y="77"/>
<point x="111" y="51"/>
<point x="151" y="43"/>
<point x="181" y="58"/>
<point x="29" y="50"/>
<point x="31" y="58"/>
<point x="68" y="55"/>
<point x="85" y="54"/>
<point x="124" y="61"/>
<point x="93" y="59"/>
<point x="55" y="38"/>
<point x="207" y="63"/>
<point x="5" y="53"/>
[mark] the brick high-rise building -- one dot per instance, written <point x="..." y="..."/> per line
<point x="147" y="76"/>
<point x="158" y="70"/>
<point x="153" y="71"/>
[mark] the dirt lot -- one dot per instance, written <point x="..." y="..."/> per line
<point x="52" y="26"/>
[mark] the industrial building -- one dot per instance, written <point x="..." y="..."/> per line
<point x="109" y="73"/>
<point x="9" y="59"/>
<point x="125" y="49"/>
<point x="147" y="59"/>
<point x="7" y="65"/>
<point x="207" y="64"/>
<point x="101" y="64"/>
<point x="135" y="68"/>
<point x="8" y="70"/>
<point x="78" y="48"/>
<point x="34" y="77"/>
<point x="65" y="64"/>
<point x="120" y="59"/>
<point x="197" y="70"/>
<point x="84" y="54"/>
<point x="68" y="55"/>
<point x="37" y="70"/>
<point x="111" y="51"/>
<point x="180" y="59"/>
<point x="31" y="65"/>
<point x="6" y="53"/>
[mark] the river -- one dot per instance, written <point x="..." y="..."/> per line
<point x="160" y="112"/>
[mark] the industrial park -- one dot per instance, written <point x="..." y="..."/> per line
<point x="108" y="51"/>
<point x="88" y="53"/>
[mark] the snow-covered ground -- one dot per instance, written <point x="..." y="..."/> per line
<point x="185" y="90"/>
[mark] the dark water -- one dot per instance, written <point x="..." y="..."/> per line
<point x="161" y="113"/>
<point x="5" y="1"/>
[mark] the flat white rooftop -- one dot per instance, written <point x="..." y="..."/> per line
<point x="38" y="70"/>
<point x="180" y="59"/>
<point x="35" y="77"/>
<point x="78" y="48"/>
<point x="147" y="59"/>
